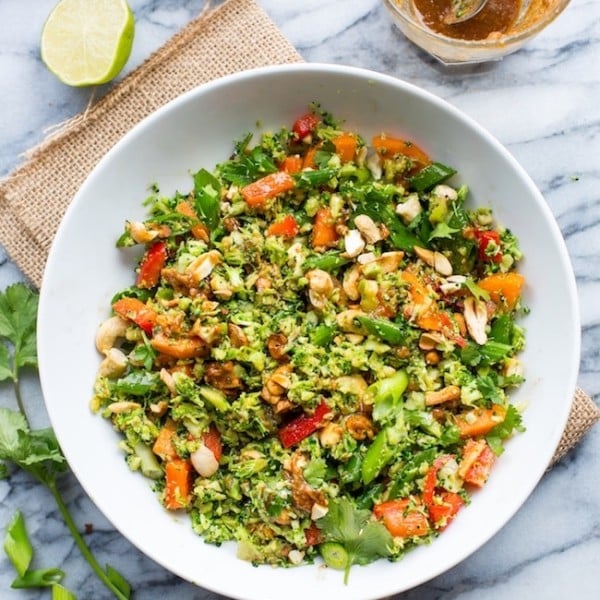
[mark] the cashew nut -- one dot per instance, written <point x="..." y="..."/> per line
<point x="140" y="233"/>
<point x="204" y="461"/>
<point x="451" y="392"/>
<point x="354" y="243"/>
<point x="368" y="229"/>
<point x="409" y="209"/>
<point x="331" y="434"/>
<point x="350" y="282"/>
<point x="120" y="407"/>
<point x="348" y="323"/>
<point x="476" y="319"/>
<point x="434" y="259"/>
<point x="109" y="332"/>
<point x="201" y="267"/>
<point x="114" y="364"/>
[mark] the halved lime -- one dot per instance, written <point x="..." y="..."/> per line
<point x="88" y="42"/>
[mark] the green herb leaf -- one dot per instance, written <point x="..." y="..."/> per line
<point x="478" y="292"/>
<point x="17" y="545"/>
<point x="363" y="538"/>
<point x="18" y="312"/>
<point x="62" y="593"/>
<point x="443" y="230"/>
<point x="118" y="581"/>
<point x="207" y="190"/>
<point x="38" y="578"/>
<point x="512" y="422"/>
<point x="11" y="422"/>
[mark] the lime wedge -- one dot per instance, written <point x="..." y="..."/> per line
<point x="87" y="42"/>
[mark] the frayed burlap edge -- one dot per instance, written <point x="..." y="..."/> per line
<point x="235" y="36"/>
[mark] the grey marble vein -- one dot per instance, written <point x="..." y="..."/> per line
<point x="543" y="103"/>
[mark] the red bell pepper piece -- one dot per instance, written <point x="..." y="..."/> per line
<point x="400" y="519"/>
<point x="151" y="266"/>
<point x="430" y="482"/>
<point x="135" y="310"/>
<point x="480" y="470"/>
<point x="313" y="535"/>
<point x="303" y="426"/>
<point x="442" y="514"/>
<point x="286" y="227"/>
<point x="484" y="239"/>
<point x="212" y="440"/>
<point x="305" y="125"/>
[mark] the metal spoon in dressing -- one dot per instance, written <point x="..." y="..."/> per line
<point x="462" y="10"/>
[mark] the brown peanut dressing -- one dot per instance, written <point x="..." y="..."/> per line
<point x="494" y="19"/>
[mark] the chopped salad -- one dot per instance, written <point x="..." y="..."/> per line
<point x="317" y="352"/>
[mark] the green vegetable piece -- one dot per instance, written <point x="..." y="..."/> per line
<point x="502" y="329"/>
<point x="323" y="335"/>
<point x="217" y="398"/>
<point x="207" y="190"/>
<point x="430" y="176"/>
<point x="118" y="581"/>
<point x="38" y="578"/>
<point x="367" y="500"/>
<point x="379" y="453"/>
<point x="18" y="312"/>
<point x="334" y="555"/>
<point x="60" y="592"/>
<point x="350" y="472"/>
<point x="17" y="545"/>
<point x="387" y="395"/>
<point x="330" y="261"/>
<point x="384" y="329"/>
<point x="363" y="539"/>
<point x="310" y="179"/>
<point x="149" y="465"/>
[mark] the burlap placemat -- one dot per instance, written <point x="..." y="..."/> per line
<point x="235" y="36"/>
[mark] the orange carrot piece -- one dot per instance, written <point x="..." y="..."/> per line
<point x="503" y="288"/>
<point x="135" y="310"/>
<point x="292" y="164"/>
<point x="387" y="146"/>
<point x="400" y="520"/>
<point x="182" y="348"/>
<point x="199" y="231"/>
<point x="480" y="421"/>
<point x="324" y="233"/>
<point x="177" y="483"/>
<point x="163" y="445"/>
<point x="258" y="192"/>
<point x="345" y="146"/>
<point x="308" y="162"/>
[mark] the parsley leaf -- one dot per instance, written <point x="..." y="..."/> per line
<point x="512" y="422"/>
<point x="363" y="538"/>
<point x="443" y="230"/>
<point x="18" y="312"/>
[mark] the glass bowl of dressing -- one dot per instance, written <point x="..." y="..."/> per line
<point x="501" y="27"/>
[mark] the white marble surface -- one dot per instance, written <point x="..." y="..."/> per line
<point x="543" y="103"/>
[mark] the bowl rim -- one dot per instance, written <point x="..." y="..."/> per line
<point x="506" y="41"/>
<point x="364" y="74"/>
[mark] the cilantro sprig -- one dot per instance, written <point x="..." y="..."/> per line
<point x="352" y="537"/>
<point x="35" y="451"/>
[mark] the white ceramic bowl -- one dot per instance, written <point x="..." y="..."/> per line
<point x="84" y="270"/>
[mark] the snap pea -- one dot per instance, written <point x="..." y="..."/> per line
<point x="430" y="176"/>
<point x="378" y="454"/>
<point x="322" y="335"/>
<point x="502" y="329"/>
<point x="384" y="329"/>
<point x="330" y="261"/>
